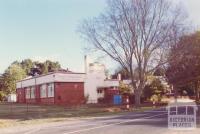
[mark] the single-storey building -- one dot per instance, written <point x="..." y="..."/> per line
<point x="52" y="88"/>
<point x="69" y="87"/>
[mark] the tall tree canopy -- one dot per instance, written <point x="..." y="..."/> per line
<point x="11" y="76"/>
<point x="19" y="70"/>
<point x="136" y="34"/>
<point x="184" y="66"/>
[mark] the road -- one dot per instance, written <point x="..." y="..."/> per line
<point x="148" y="122"/>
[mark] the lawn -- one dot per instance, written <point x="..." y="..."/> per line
<point x="17" y="114"/>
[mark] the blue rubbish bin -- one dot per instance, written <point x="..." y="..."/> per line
<point x="117" y="99"/>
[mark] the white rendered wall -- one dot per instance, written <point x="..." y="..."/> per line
<point x="111" y="83"/>
<point x="54" y="77"/>
<point x="45" y="79"/>
<point x="70" y="77"/>
<point x="92" y="82"/>
<point x="95" y="76"/>
<point x="12" y="98"/>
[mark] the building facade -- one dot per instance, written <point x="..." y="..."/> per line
<point x="53" y="88"/>
<point x="69" y="88"/>
<point x="97" y="86"/>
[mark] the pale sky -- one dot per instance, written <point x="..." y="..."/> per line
<point x="47" y="29"/>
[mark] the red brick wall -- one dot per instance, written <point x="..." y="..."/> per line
<point x="20" y="95"/>
<point x="37" y="93"/>
<point x="109" y="94"/>
<point x="31" y="101"/>
<point x="69" y="93"/>
<point x="47" y="100"/>
<point x="64" y="94"/>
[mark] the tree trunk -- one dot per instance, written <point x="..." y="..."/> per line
<point x="137" y="98"/>
<point x="175" y="92"/>
<point x="197" y="91"/>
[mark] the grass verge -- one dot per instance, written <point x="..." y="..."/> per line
<point x="20" y="114"/>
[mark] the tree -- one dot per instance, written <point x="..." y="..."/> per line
<point x="123" y="72"/>
<point x="136" y="34"/>
<point x="124" y="88"/>
<point x="52" y="66"/>
<point x="2" y="94"/>
<point x="159" y="72"/>
<point x="19" y="70"/>
<point x="183" y="70"/>
<point x="155" y="88"/>
<point x="47" y="66"/>
<point x="27" y="64"/>
<point x="11" y="76"/>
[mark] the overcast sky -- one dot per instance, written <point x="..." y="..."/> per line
<point x="47" y="29"/>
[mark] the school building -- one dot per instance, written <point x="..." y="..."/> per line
<point x="68" y="88"/>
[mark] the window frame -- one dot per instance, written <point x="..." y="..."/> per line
<point x="32" y="92"/>
<point x="43" y="91"/>
<point x="50" y="90"/>
<point x="28" y="93"/>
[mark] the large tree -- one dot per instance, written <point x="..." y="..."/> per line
<point x="13" y="74"/>
<point x="136" y="34"/>
<point x="47" y="66"/>
<point x="19" y="70"/>
<point x="27" y="64"/>
<point x="184" y="66"/>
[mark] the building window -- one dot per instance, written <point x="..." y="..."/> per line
<point x="28" y="94"/>
<point x="43" y="91"/>
<point x="50" y="90"/>
<point x="33" y="92"/>
<point x="99" y="91"/>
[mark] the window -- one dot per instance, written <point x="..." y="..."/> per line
<point x="99" y="91"/>
<point x="172" y="110"/>
<point x="190" y="110"/>
<point x="51" y="90"/>
<point x="32" y="92"/>
<point x="43" y="91"/>
<point x="181" y="110"/>
<point x="28" y="93"/>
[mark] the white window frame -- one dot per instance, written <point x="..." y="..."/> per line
<point x="28" y="93"/>
<point x="50" y="88"/>
<point x="32" y="92"/>
<point x="43" y="91"/>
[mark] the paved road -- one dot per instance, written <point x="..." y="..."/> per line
<point x="149" y="122"/>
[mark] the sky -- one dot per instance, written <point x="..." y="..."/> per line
<point x="47" y="29"/>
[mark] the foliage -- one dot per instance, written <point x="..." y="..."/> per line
<point x="123" y="72"/>
<point x="155" y="98"/>
<point x="19" y="70"/>
<point x="159" y="72"/>
<point x="155" y="88"/>
<point x="183" y="68"/>
<point x="185" y="60"/>
<point x="47" y="66"/>
<point x="124" y="88"/>
<point x="2" y="96"/>
<point x="11" y="76"/>
<point x="189" y="90"/>
<point x="27" y="64"/>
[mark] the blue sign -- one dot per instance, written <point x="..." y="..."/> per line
<point x="117" y="99"/>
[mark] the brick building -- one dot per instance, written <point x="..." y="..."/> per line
<point x="69" y="88"/>
<point x="53" y="88"/>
